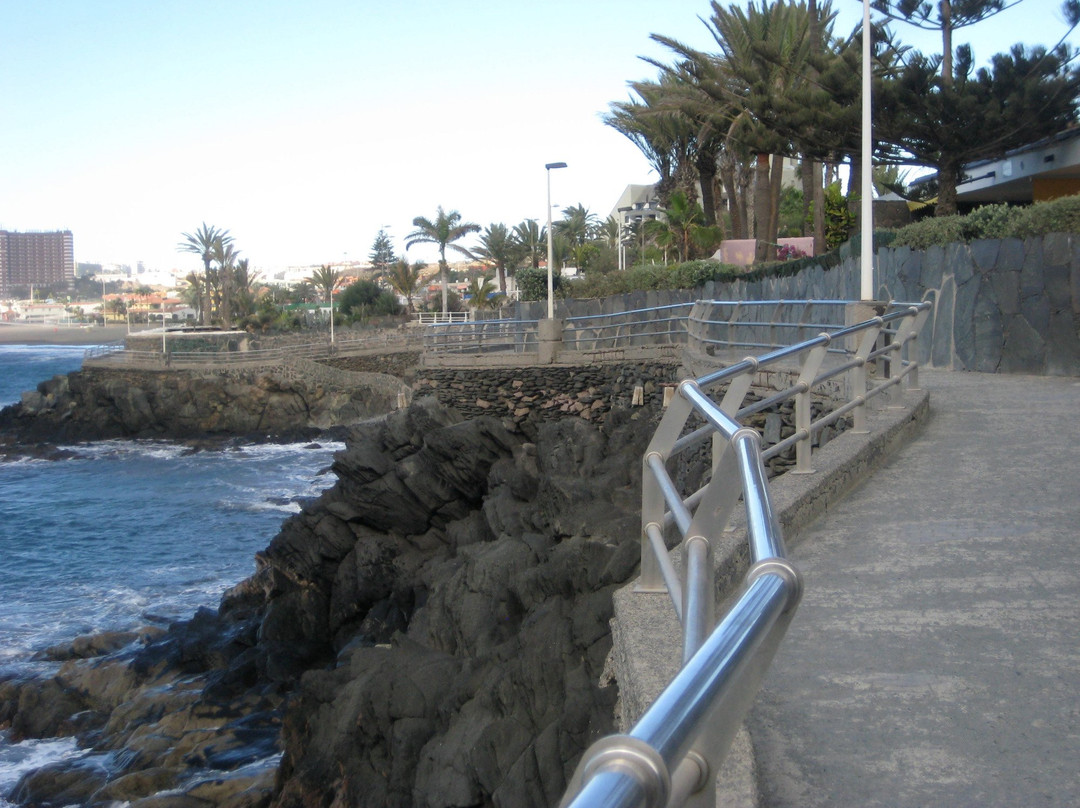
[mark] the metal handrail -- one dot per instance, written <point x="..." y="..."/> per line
<point x="117" y="353"/>
<point x="481" y="336"/>
<point x="673" y="752"/>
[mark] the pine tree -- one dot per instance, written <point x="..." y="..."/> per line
<point x="382" y="252"/>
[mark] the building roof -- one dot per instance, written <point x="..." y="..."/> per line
<point x="1024" y="174"/>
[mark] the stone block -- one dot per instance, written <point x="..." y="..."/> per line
<point x="958" y="261"/>
<point x="988" y="332"/>
<point x="964" y="322"/>
<point x="1031" y="280"/>
<point x="1006" y="286"/>
<point x="1035" y="308"/>
<point x="1063" y="345"/>
<point x="1057" y="248"/>
<point x="1056" y="282"/>
<point x="1024" y="350"/>
<point x="984" y="254"/>
<point x="943" y="325"/>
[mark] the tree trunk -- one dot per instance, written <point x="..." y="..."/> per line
<point x="806" y="174"/>
<point x="775" y="186"/>
<point x="948" y="177"/>
<point x="727" y="177"/>
<point x="854" y="200"/>
<point x="761" y="206"/>
<point x="706" y="170"/>
<point x="226" y="297"/>
<point x="207" y="299"/>
<point x="444" y="277"/>
<point x="945" y="9"/>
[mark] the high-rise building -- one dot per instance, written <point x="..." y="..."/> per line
<point x="39" y="259"/>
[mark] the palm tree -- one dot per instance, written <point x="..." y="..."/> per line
<point x="446" y="229"/>
<point x="479" y="293"/>
<point x="532" y="238"/>
<point x="226" y="257"/>
<point x="245" y="296"/>
<point x="405" y="279"/>
<point x="682" y="227"/>
<point x="326" y="279"/>
<point x="577" y="225"/>
<point x="498" y="248"/>
<point x="193" y="293"/>
<point x="202" y="242"/>
<point x="303" y="292"/>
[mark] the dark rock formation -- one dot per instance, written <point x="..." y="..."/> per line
<point x="94" y="404"/>
<point x="430" y="631"/>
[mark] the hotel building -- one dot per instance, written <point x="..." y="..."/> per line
<point x="39" y="259"/>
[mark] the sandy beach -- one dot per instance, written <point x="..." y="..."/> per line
<point x="15" y="334"/>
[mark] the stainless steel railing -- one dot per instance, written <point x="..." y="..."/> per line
<point x="481" y="336"/>
<point x="587" y="332"/>
<point x="649" y="326"/>
<point x="116" y="354"/>
<point x="672" y="754"/>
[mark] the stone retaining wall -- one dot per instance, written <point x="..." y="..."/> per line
<point x="549" y="392"/>
<point x="1007" y="306"/>
<point x="1000" y="305"/>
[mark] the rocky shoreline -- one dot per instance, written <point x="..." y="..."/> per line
<point x="249" y="405"/>
<point x="430" y="631"/>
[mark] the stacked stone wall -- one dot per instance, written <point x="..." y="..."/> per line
<point x="549" y="392"/>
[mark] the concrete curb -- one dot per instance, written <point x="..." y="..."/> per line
<point x="646" y="647"/>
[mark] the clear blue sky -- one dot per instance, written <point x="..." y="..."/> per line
<point x="305" y="127"/>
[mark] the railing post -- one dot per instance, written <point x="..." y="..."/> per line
<point x="858" y="380"/>
<point x="811" y="366"/>
<point x="652" y="497"/>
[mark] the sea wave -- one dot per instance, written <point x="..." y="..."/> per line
<point x="19" y="758"/>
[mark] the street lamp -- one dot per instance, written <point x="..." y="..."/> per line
<point x="551" y="247"/>
<point x="866" y="251"/>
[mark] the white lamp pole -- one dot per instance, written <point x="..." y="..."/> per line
<point x="866" y="252"/>
<point x="551" y="248"/>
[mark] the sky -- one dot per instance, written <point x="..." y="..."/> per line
<point x="305" y="128"/>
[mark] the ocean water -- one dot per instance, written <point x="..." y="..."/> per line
<point x="123" y="534"/>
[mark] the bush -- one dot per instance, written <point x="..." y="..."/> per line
<point x="365" y="298"/>
<point x="936" y="231"/>
<point x="532" y="284"/>
<point x="1056" y="216"/>
<point x="993" y="221"/>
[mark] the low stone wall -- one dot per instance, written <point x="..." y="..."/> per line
<point x="549" y="392"/>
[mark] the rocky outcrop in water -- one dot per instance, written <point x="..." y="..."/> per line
<point x="431" y="631"/>
<point x="93" y="404"/>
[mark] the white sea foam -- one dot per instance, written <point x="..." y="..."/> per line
<point x="17" y="759"/>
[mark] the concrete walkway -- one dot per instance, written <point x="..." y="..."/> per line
<point x="935" y="658"/>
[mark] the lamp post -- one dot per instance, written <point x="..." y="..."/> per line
<point x="551" y="247"/>
<point x="866" y="251"/>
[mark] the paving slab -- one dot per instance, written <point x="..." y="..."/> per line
<point x="935" y="657"/>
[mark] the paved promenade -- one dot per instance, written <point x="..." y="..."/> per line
<point x="935" y="658"/>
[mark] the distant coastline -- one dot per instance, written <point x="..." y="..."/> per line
<point x="18" y="334"/>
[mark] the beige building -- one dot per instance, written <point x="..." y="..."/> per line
<point x="38" y="259"/>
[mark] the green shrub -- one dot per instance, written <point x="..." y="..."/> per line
<point x="936" y="231"/>
<point x="532" y="284"/>
<point x="1056" y="216"/>
<point x="992" y="221"/>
